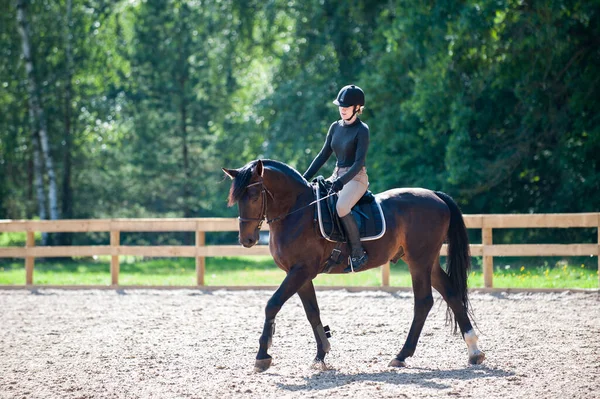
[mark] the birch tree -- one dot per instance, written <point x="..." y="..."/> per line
<point x="37" y="115"/>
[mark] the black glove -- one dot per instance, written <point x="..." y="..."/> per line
<point x="337" y="186"/>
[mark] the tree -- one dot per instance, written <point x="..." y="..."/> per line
<point x="38" y="118"/>
<point x="494" y="102"/>
<point x="481" y="117"/>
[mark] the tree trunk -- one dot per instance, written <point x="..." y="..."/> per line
<point x="67" y="189"/>
<point x="186" y="160"/>
<point x="37" y="111"/>
<point x="183" y="113"/>
<point x="183" y="78"/>
<point x="38" y="177"/>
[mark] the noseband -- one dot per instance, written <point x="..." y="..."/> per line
<point x="263" y="212"/>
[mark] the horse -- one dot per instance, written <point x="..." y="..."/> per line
<point x="418" y="222"/>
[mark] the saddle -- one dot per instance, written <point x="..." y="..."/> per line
<point x="367" y="212"/>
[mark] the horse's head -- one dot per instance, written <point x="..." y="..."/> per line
<point x="255" y="188"/>
<point x="248" y="190"/>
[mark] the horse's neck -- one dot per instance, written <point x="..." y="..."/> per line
<point x="286" y="191"/>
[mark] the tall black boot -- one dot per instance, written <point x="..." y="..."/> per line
<point x="358" y="256"/>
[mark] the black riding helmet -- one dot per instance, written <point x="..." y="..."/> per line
<point x="350" y="95"/>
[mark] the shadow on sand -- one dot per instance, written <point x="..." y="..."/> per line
<point x="426" y="378"/>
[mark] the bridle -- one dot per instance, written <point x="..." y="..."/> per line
<point x="263" y="213"/>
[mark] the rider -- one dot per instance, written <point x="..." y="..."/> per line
<point x="349" y="139"/>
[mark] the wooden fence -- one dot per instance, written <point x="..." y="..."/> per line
<point x="486" y="223"/>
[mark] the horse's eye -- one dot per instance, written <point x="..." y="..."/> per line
<point x="253" y="195"/>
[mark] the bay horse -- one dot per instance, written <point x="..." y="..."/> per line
<point x="418" y="221"/>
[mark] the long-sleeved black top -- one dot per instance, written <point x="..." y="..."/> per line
<point x="350" y="144"/>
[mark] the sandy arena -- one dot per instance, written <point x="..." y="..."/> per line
<point x="202" y="344"/>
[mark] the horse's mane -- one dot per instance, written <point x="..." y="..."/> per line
<point x="244" y="176"/>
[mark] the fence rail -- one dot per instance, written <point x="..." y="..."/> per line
<point x="486" y="223"/>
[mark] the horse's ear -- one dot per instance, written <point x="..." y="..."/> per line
<point x="232" y="173"/>
<point x="259" y="169"/>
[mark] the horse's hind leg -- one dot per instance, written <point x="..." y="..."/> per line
<point x="441" y="282"/>
<point x="295" y="279"/>
<point x="311" y="307"/>
<point x="421" y="281"/>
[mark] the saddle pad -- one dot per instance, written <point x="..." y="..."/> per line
<point x="367" y="212"/>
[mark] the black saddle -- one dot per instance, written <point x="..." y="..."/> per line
<point x="367" y="212"/>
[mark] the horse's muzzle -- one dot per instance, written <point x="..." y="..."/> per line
<point x="249" y="240"/>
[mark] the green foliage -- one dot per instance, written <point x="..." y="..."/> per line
<point x="15" y="239"/>
<point x="494" y="102"/>
<point x="491" y="88"/>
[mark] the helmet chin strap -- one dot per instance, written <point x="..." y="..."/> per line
<point x="353" y="113"/>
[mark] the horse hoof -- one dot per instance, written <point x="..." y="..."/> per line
<point x="262" y="365"/>
<point x="477" y="358"/>
<point x="319" y="365"/>
<point x="397" y="363"/>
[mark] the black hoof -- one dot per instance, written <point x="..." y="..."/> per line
<point x="319" y="364"/>
<point x="262" y="364"/>
<point x="397" y="363"/>
<point x="477" y="358"/>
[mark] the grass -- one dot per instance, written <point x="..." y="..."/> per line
<point x="261" y="270"/>
<point x="559" y="276"/>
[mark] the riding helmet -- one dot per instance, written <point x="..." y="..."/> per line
<point x="350" y="95"/>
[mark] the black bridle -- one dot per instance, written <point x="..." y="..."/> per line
<point x="263" y="213"/>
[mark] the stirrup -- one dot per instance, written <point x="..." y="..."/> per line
<point x="356" y="263"/>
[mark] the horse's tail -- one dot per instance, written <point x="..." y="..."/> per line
<point x="459" y="256"/>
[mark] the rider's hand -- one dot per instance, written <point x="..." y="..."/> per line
<point x="337" y="185"/>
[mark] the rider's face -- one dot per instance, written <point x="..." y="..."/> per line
<point x="346" y="112"/>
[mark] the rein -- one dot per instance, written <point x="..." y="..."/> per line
<point x="263" y="212"/>
<point x="299" y="209"/>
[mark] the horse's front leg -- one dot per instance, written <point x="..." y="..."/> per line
<point x="296" y="278"/>
<point x="311" y="307"/>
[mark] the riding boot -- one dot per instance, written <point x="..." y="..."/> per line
<point x="358" y="256"/>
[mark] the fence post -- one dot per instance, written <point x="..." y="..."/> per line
<point x="115" y="241"/>
<point x="200" y="260"/>
<point x="488" y="261"/>
<point x="385" y="275"/>
<point x="29" y="260"/>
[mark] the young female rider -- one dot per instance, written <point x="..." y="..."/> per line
<point x="349" y="139"/>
